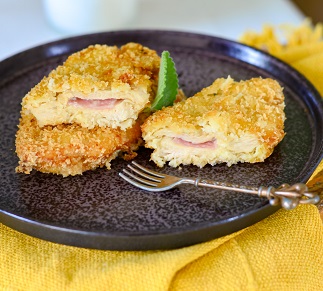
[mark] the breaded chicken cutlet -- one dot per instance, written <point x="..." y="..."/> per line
<point x="227" y="122"/>
<point x="87" y="111"/>
<point x="100" y="85"/>
<point x="70" y="149"/>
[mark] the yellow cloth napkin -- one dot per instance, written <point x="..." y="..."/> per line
<point x="282" y="252"/>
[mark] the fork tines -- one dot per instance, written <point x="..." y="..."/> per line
<point x="142" y="177"/>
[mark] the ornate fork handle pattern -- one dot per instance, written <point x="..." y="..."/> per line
<point x="289" y="196"/>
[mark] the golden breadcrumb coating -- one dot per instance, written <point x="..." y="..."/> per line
<point x="69" y="149"/>
<point x="226" y="122"/>
<point x="98" y="86"/>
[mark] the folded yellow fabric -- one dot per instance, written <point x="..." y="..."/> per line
<point x="282" y="252"/>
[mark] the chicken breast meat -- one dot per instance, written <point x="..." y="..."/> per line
<point x="227" y="122"/>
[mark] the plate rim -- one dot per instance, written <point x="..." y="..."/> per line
<point x="158" y="240"/>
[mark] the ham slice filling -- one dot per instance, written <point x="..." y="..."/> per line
<point x="94" y="103"/>
<point x="207" y="145"/>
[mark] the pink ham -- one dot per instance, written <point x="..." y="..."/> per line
<point x="208" y="144"/>
<point x="94" y="103"/>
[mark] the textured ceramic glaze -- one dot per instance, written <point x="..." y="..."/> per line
<point x="99" y="209"/>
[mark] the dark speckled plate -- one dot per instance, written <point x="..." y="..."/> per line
<point x="100" y="210"/>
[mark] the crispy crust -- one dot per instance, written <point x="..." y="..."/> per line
<point x="245" y="119"/>
<point x="71" y="149"/>
<point x="97" y="72"/>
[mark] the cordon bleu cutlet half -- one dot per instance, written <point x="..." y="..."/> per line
<point x="86" y="111"/>
<point x="227" y="122"/>
<point x="98" y="86"/>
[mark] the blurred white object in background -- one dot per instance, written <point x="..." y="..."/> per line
<point x="23" y="24"/>
<point x="86" y="16"/>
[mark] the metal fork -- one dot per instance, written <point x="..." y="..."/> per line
<point x="288" y="196"/>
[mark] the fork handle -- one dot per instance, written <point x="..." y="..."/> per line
<point x="289" y="196"/>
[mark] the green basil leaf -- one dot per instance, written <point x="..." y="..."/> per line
<point x="167" y="83"/>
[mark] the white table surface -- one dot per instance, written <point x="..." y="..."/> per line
<point x="23" y="23"/>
